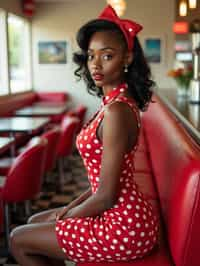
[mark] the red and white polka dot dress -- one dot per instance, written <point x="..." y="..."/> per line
<point x="126" y="231"/>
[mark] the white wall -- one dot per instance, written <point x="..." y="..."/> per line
<point x="61" y="21"/>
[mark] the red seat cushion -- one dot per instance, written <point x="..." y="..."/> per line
<point x="146" y="185"/>
<point x="158" y="257"/>
<point x="142" y="163"/>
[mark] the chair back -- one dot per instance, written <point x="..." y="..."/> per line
<point x="24" y="178"/>
<point x="81" y="112"/>
<point x="68" y="129"/>
<point x="52" y="136"/>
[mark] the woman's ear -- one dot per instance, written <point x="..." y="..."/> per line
<point x="129" y="57"/>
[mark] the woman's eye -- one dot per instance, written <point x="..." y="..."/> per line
<point x="107" y="57"/>
<point x="90" y="57"/>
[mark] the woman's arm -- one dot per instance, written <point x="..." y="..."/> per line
<point x="117" y="125"/>
<point x="75" y="202"/>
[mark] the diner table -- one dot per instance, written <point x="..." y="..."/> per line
<point x="22" y="124"/>
<point x="42" y="110"/>
<point x="27" y="125"/>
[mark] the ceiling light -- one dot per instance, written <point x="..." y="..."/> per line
<point x="183" y="8"/>
<point x="192" y="4"/>
<point x="118" y="5"/>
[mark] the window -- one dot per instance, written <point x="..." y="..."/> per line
<point x="4" y="81"/>
<point x="19" y="59"/>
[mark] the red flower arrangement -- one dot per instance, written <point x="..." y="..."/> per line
<point x="182" y="76"/>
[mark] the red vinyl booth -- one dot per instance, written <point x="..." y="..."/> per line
<point x="167" y="164"/>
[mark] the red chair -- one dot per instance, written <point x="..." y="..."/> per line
<point x="24" y="179"/>
<point x="52" y="136"/>
<point x="79" y="112"/>
<point x="66" y="142"/>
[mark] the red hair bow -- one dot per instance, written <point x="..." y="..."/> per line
<point x="128" y="27"/>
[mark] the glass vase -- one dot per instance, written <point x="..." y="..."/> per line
<point x="182" y="91"/>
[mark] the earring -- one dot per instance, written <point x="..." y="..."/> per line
<point x="126" y="68"/>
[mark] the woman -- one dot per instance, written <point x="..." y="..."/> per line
<point x="111" y="221"/>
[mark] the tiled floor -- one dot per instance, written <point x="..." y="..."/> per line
<point x="76" y="183"/>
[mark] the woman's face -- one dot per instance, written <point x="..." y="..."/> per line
<point x="107" y="57"/>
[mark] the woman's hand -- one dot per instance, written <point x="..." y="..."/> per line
<point x="51" y="217"/>
<point x="62" y="213"/>
<point x="56" y="215"/>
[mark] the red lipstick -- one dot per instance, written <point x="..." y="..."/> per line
<point x="97" y="77"/>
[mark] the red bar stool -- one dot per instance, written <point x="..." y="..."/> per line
<point x="24" y="179"/>
<point x="67" y="139"/>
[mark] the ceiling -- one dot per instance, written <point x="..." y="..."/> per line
<point x="55" y="1"/>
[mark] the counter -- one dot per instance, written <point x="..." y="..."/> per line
<point x="188" y="113"/>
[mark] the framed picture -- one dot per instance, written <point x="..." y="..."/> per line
<point x="53" y="52"/>
<point x="153" y="50"/>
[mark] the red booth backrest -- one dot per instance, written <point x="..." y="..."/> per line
<point x="52" y="96"/>
<point x="175" y="162"/>
<point x="9" y="104"/>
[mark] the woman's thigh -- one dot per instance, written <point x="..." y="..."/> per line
<point x="45" y="216"/>
<point x="37" y="239"/>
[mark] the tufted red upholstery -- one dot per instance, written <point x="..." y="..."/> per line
<point x="167" y="166"/>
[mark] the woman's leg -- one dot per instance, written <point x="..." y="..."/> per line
<point x="43" y="217"/>
<point x="36" y="245"/>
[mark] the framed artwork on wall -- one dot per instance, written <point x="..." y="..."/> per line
<point x="153" y="50"/>
<point x="52" y="52"/>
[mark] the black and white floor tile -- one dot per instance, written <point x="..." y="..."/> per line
<point x="76" y="183"/>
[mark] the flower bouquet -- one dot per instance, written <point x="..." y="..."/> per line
<point x="182" y="76"/>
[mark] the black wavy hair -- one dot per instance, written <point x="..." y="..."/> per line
<point x="138" y="75"/>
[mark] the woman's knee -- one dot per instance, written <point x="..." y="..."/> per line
<point x="39" y="217"/>
<point x="16" y="238"/>
<point x="45" y="216"/>
<point x="33" y="219"/>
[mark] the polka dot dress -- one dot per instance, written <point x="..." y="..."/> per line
<point x="126" y="231"/>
